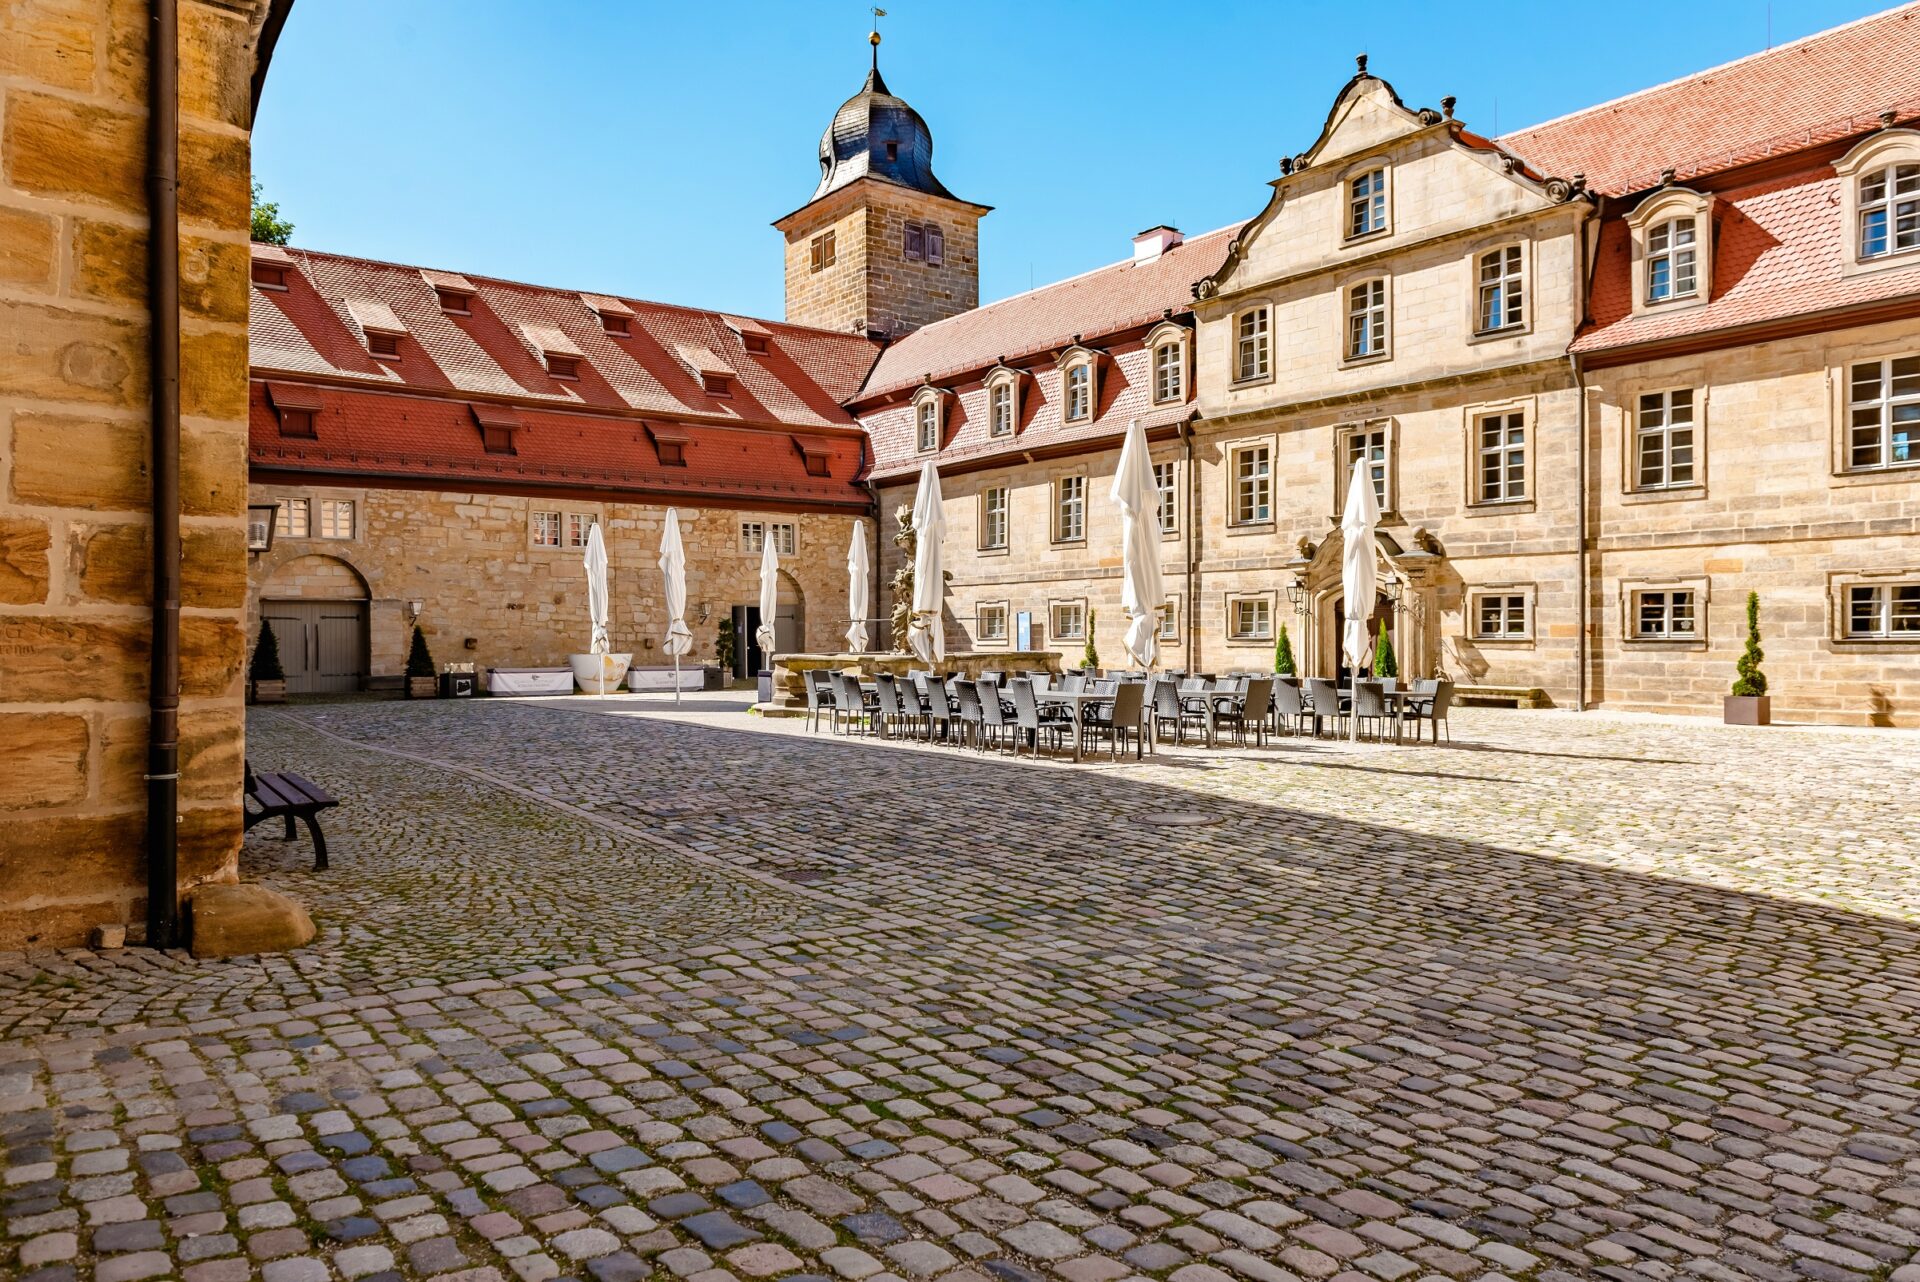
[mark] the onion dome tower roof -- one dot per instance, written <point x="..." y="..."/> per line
<point x="877" y="135"/>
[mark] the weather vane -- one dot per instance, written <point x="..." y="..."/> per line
<point x="873" y="37"/>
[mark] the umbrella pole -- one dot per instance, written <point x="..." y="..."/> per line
<point x="676" y="680"/>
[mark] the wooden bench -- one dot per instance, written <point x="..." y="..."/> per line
<point x="1511" y="696"/>
<point x="290" y="797"/>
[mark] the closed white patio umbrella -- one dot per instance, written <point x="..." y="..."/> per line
<point x="597" y="596"/>
<point x="1359" y="573"/>
<point x="1142" y="591"/>
<point x="766" y="634"/>
<point x="857" y="570"/>
<point x="673" y="568"/>
<point x="926" y="635"/>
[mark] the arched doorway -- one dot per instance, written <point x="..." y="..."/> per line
<point x="789" y="628"/>
<point x="1383" y="612"/>
<point x="317" y="608"/>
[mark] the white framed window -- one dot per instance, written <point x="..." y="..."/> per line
<point x="1500" y="443"/>
<point x="1068" y="620"/>
<point x="546" y="529"/>
<point x="294" y="520"/>
<point x="1501" y="616"/>
<point x="1367" y="203"/>
<point x="1369" y="446"/>
<point x="1665" y="614"/>
<point x="1252" y="348"/>
<point x="1166" y="484"/>
<point x="1170" y="619"/>
<point x="1169" y="373"/>
<point x="927" y="436"/>
<point x="1663" y="440"/>
<point x="786" y="537"/>
<point x="990" y="623"/>
<point x="753" y="536"/>
<point x="993" y="517"/>
<point x="579" y="525"/>
<point x="1889" y="210"/>
<point x="336" y="518"/>
<point x="1883" y="611"/>
<point x="1501" y="300"/>
<point x="1000" y="408"/>
<point x="1070" y="509"/>
<point x="1672" y="260"/>
<point x="1367" y="319"/>
<point x="1252" y="484"/>
<point x="1250" y="618"/>
<point x="1077" y="395"/>
<point x="1883" y="413"/>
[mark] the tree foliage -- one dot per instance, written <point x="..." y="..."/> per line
<point x="266" y="657"/>
<point x="1751" y="681"/>
<point x="269" y="228"/>
<point x="723" y="645"/>
<point x="1283" y="663"/>
<point x="1090" y="657"/>
<point x="419" y="658"/>
<point x="1384" y="662"/>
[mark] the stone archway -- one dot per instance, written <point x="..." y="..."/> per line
<point x="318" y="607"/>
<point x="1406" y="602"/>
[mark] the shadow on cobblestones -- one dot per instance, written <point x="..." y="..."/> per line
<point x="615" y="994"/>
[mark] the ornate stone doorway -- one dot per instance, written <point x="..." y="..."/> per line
<point x="1405" y="603"/>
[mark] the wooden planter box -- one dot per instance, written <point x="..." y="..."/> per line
<point x="1747" y="710"/>
<point x="270" y="691"/>
<point x="423" y="687"/>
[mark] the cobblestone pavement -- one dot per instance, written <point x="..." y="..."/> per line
<point x="608" y="992"/>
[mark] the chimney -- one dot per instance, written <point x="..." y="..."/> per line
<point x="1155" y="241"/>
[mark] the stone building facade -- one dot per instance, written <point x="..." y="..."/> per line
<point x="76" y="453"/>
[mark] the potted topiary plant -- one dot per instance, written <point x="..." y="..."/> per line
<point x="724" y="642"/>
<point x="264" y="674"/>
<point x="1090" y="657"/>
<point x="1748" y="704"/>
<point x="1384" y="662"/>
<point x="422" y="682"/>
<point x="1283" y="664"/>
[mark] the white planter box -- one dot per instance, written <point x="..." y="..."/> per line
<point x="529" y="680"/>
<point x="662" y="678"/>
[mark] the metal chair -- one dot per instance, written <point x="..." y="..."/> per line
<point x="968" y="713"/>
<point x="1289" y="709"/>
<point x="887" y="694"/>
<point x="1118" y="719"/>
<point x="1432" y="711"/>
<point x="996" y="715"/>
<point x="1324" y="699"/>
<point x="1032" y="718"/>
<point x="819" y="698"/>
<point x="939" y="709"/>
<point x="1241" y="710"/>
<point x="1370" y="704"/>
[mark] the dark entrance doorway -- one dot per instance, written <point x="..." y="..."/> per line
<point x="1382" y="612"/>
<point x="323" y="644"/>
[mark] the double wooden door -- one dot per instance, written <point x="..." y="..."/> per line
<point x="323" y="644"/>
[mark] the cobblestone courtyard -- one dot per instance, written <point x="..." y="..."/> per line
<point x="608" y="993"/>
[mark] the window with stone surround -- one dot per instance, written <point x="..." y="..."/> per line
<point x="1252" y="473"/>
<point x="1068" y="620"/>
<point x="336" y="518"/>
<point x="1500" y="455"/>
<point x="820" y="252"/>
<point x="1665" y="614"/>
<point x="926" y="417"/>
<point x="1663" y="440"/>
<point x="990" y="623"/>
<point x="1883" y="611"/>
<point x="1000" y="408"/>
<point x="753" y="537"/>
<point x="546" y="529"/>
<point x="1883" y="414"/>
<point x="1070" y="509"/>
<point x="1170" y="619"/>
<point x="579" y="526"/>
<point x="294" y="519"/>
<point x="993" y="518"/>
<point x="1368" y="445"/>
<point x="1367" y="203"/>
<point x="1169" y="372"/>
<point x="1252" y="345"/>
<point x="1501" y="300"/>
<point x="1250" y="617"/>
<point x="1166" y="485"/>
<point x="1672" y="266"/>
<point x="1500" y="614"/>
<point x="1672" y="250"/>
<point x="1367" y="319"/>
<point x="1890" y="210"/>
<point x="1077" y="392"/>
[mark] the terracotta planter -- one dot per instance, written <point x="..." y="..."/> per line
<point x="423" y="687"/>
<point x="1747" y="710"/>
<point x="270" y="691"/>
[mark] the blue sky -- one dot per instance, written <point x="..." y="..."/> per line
<point x="643" y="148"/>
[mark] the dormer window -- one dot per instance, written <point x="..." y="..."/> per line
<point x="298" y="424"/>
<point x="1672" y="260"/>
<point x="1890" y="210"/>
<point x="815" y="454"/>
<point x="1079" y="394"/>
<point x="383" y="345"/>
<point x="563" y="366"/>
<point x="929" y="419"/>
<point x="716" y="384"/>
<point x="670" y="443"/>
<point x="298" y="409"/>
<point x="1167" y="345"/>
<point x="1367" y="203"/>
<point x="496" y="440"/>
<point x="756" y="344"/>
<point x="673" y="454"/>
<point x="617" y="325"/>
<point x="498" y="424"/>
<point x="1003" y="401"/>
<point x="455" y="302"/>
<point x="269" y="275"/>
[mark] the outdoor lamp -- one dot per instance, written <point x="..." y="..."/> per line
<point x="415" y="607"/>
<point x="261" y="518"/>
<point x="1296" y="592"/>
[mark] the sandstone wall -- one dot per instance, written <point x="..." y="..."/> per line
<point x="492" y="598"/>
<point x="872" y="285"/>
<point x="75" y="450"/>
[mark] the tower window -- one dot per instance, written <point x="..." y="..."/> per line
<point x="936" y="245"/>
<point x="914" y="241"/>
<point x="893" y="151"/>
<point x="821" y="251"/>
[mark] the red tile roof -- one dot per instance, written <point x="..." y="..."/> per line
<point x="314" y="327"/>
<point x="1818" y="89"/>
<point x="1779" y="252"/>
<point x="374" y="434"/>
<point x="1108" y="300"/>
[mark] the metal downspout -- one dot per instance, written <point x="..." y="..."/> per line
<point x="1580" y="524"/>
<point x="1193" y="550"/>
<point x="163" y="255"/>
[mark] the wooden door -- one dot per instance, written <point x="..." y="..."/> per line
<point x="323" y="644"/>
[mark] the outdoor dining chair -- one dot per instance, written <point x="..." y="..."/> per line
<point x="856" y="702"/>
<point x="1289" y="708"/>
<point x="996" y="715"/>
<point x="1323" y="698"/>
<point x="1432" y="711"/>
<point x="1033" y="720"/>
<point x="1240" y="710"/>
<point x="887" y="691"/>
<point x="968" y="713"/>
<point x="939" y="709"/>
<point x="819" y="699"/>
<point x="1370" y="705"/>
<point x="1119" y="719"/>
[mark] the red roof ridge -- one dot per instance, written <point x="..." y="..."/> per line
<point x="1506" y="140"/>
<point x="477" y="279"/>
<point x="1091" y="271"/>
